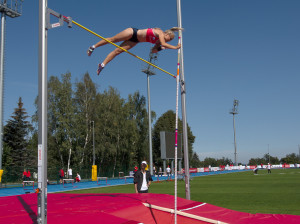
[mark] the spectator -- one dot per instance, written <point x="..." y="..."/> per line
<point x="135" y="169"/>
<point x="24" y="175"/>
<point x="160" y="171"/>
<point x="168" y="172"/>
<point x="28" y="175"/>
<point x="34" y="175"/>
<point x="78" y="178"/>
<point x="269" y="168"/>
<point x="255" y="170"/>
<point x="154" y="171"/>
<point x="70" y="173"/>
<point x="61" y="175"/>
<point x="142" y="179"/>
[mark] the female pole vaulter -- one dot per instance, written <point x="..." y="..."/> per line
<point x="132" y="36"/>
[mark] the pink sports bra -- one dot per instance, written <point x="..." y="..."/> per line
<point x="150" y="37"/>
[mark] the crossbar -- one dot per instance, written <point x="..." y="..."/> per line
<point x="67" y="19"/>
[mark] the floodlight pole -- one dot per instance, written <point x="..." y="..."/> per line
<point x="149" y="73"/>
<point x="233" y="112"/>
<point x="269" y="152"/>
<point x="149" y="128"/>
<point x="183" y="110"/>
<point x="235" y="153"/>
<point x="13" y="11"/>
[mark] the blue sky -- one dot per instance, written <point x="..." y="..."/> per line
<point x="233" y="49"/>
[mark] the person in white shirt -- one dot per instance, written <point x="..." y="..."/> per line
<point x="142" y="179"/>
<point x="255" y="170"/>
<point x="78" y="178"/>
<point x="269" y="168"/>
<point x="168" y="172"/>
<point x="70" y="173"/>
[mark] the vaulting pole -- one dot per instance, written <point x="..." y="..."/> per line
<point x="42" y="115"/>
<point x="183" y="110"/>
<point x="176" y="131"/>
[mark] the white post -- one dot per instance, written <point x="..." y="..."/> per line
<point x="42" y="114"/>
<point x="3" y="21"/>
<point x="183" y="110"/>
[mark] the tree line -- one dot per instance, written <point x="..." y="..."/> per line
<point x="75" y="111"/>
<point x="120" y="125"/>
<point x="288" y="159"/>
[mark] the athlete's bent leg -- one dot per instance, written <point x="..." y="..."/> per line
<point x="127" y="45"/>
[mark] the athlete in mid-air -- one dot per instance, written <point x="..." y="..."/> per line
<point x="132" y="36"/>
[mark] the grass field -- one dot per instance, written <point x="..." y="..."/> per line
<point x="276" y="193"/>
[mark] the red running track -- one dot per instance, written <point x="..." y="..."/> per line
<point x="124" y="208"/>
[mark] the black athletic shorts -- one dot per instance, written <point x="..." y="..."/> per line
<point x="134" y="36"/>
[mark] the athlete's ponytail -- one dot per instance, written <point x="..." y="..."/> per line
<point x="172" y="30"/>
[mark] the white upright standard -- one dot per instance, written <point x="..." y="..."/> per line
<point x="42" y="115"/>
<point x="183" y="109"/>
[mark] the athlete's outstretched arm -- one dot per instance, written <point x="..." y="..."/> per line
<point x="163" y="43"/>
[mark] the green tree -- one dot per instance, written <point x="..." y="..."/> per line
<point x="111" y="133"/>
<point x="167" y="123"/>
<point x="16" y="135"/>
<point x="290" y="159"/>
<point x="139" y="115"/>
<point x="61" y="119"/>
<point x="264" y="160"/>
<point x="195" y="161"/>
<point x="257" y="161"/>
<point x="273" y="160"/>
<point x="224" y="161"/>
<point x="208" y="161"/>
<point x="85" y="113"/>
<point x="7" y="159"/>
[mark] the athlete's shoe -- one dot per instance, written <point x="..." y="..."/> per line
<point x="90" y="51"/>
<point x="100" y="68"/>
